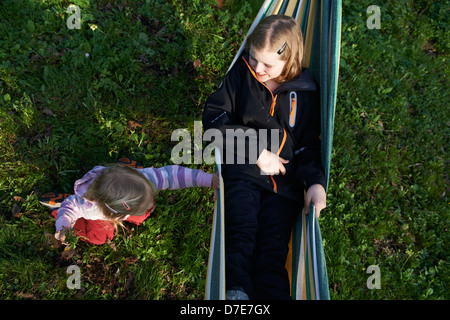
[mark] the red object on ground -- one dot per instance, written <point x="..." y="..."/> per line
<point x="100" y="231"/>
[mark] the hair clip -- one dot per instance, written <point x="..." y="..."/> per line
<point x="283" y="47"/>
<point x="114" y="211"/>
<point x="125" y="205"/>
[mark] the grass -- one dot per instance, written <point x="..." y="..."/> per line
<point x="388" y="196"/>
<point x="149" y="68"/>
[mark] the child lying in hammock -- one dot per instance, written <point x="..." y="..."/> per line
<point x="106" y="196"/>
<point x="267" y="90"/>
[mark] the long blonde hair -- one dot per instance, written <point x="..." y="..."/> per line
<point x="120" y="191"/>
<point x="277" y="32"/>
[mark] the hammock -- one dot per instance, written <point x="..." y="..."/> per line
<point x="320" y="22"/>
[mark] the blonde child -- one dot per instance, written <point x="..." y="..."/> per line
<point x="267" y="89"/>
<point x="106" y="196"/>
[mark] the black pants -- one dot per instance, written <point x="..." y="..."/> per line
<point x="258" y="225"/>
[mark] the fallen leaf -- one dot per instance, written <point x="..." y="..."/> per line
<point x="112" y="245"/>
<point x="130" y="260"/>
<point x="26" y="295"/>
<point x="19" y="199"/>
<point x="132" y="125"/>
<point x="197" y="63"/>
<point x="67" y="253"/>
<point x="16" y="210"/>
<point x="51" y="240"/>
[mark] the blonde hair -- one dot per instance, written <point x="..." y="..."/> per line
<point x="120" y="191"/>
<point x="275" y="32"/>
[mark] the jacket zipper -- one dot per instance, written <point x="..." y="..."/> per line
<point x="274" y="98"/>
<point x="272" y="109"/>
<point x="275" y="188"/>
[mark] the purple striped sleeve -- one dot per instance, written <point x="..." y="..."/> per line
<point x="181" y="175"/>
<point x="177" y="177"/>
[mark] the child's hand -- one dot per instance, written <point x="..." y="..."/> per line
<point x="215" y="183"/>
<point x="317" y="195"/>
<point x="270" y="163"/>
<point x="60" y="235"/>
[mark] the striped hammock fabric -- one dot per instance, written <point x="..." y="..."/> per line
<point x="215" y="278"/>
<point x="320" y="22"/>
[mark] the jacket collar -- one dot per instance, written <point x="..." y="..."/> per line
<point x="303" y="81"/>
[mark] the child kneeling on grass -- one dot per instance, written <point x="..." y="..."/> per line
<point x="106" y="196"/>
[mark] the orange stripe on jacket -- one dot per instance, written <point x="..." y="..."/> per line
<point x="274" y="98"/>
<point x="291" y="116"/>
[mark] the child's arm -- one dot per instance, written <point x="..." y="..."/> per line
<point x="67" y="215"/>
<point x="309" y="162"/>
<point x="177" y="177"/>
<point x="220" y="113"/>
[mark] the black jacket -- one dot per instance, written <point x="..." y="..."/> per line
<point x="242" y="102"/>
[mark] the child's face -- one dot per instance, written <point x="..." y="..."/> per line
<point x="267" y="64"/>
